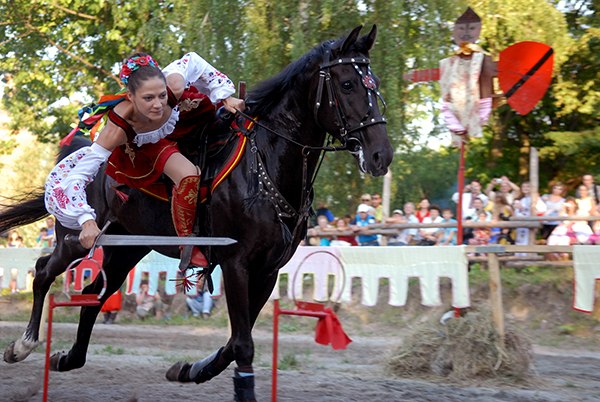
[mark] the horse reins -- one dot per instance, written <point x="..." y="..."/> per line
<point x="369" y="83"/>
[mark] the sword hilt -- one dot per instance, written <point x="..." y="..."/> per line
<point x="71" y="240"/>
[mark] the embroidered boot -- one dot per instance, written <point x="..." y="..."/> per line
<point x="183" y="211"/>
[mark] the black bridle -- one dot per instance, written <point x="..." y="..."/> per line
<point x="266" y="184"/>
<point x="367" y="81"/>
<point x="333" y="95"/>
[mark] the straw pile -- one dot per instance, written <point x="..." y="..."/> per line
<point x="463" y="348"/>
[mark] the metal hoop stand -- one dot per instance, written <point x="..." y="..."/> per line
<point x="303" y="308"/>
<point x="80" y="300"/>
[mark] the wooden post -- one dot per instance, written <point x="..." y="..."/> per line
<point x="44" y="318"/>
<point x="496" y="292"/>
<point x="242" y="89"/>
<point x="461" y="187"/>
<point x="385" y="202"/>
<point x="387" y="192"/>
<point x="534" y="182"/>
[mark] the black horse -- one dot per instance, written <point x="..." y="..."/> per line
<point x="264" y="203"/>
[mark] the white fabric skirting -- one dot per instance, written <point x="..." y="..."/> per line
<point x="587" y="272"/>
<point x="371" y="264"/>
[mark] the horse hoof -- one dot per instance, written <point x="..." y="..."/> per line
<point x="17" y="351"/>
<point x="205" y="370"/>
<point x="179" y="372"/>
<point x="54" y="361"/>
<point x="62" y="361"/>
<point x="9" y="354"/>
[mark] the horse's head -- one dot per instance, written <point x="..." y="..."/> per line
<point x="347" y="102"/>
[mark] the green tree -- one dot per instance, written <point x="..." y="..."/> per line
<point x="57" y="51"/>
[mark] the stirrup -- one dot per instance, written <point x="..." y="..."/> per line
<point x="191" y="256"/>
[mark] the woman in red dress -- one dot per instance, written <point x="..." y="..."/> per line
<point x="135" y="142"/>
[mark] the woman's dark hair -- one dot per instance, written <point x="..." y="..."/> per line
<point x="142" y="73"/>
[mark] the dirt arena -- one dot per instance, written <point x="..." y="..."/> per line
<point x="128" y="362"/>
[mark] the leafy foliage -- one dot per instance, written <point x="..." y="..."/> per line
<point x="57" y="54"/>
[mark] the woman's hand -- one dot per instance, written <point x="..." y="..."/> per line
<point x="234" y="104"/>
<point x="88" y="234"/>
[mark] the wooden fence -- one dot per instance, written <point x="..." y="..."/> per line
<point x="393" y="229"/>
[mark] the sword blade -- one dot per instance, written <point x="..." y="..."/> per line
<point x="135" y="240"/>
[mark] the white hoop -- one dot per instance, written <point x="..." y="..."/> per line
<point x="71" y="267"/>
<point x="343" y="272"/>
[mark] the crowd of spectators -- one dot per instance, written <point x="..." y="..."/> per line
<point x="14" y="238"/>
<point x="500" y="200"/>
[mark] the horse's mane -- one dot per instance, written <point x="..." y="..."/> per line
<point x="268" y="94"/>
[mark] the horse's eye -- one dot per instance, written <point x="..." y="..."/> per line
<point x="347" y="86"/>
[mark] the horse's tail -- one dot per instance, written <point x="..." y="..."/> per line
<point x="30" y="207"/>
<point x="23" y="210"/>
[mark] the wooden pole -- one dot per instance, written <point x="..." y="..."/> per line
<point x="496" y="292"/>
<point x="242" y="89"/>
<point x="276" y="312"/>
<point x="43" y="319"/>
<point x="534" y="182"/>
<point x="461" y="187"/>
<point x="386" y="194"/>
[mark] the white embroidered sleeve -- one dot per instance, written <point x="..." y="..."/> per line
<point x="199" y="73"/>
<point x="65" y="186"/>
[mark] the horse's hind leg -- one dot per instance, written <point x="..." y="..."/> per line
<point x="47" y="268"/>
<point x="116" y="265"/>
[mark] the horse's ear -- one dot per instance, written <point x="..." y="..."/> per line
<point x="367" y="41"/>
<point x="351" y="39"/>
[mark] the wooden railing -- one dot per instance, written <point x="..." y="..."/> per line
<point x="393" y="229"/>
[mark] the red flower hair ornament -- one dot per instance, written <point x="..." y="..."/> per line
<point x="133" y="64"/>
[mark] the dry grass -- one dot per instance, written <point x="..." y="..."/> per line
<point x="464" y="348"/>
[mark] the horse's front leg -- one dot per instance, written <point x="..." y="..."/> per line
<point x="240" y="346"/>
<point x="47" y="268"/>
<point x="116" y="266"/>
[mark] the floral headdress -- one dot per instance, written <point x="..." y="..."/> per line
<point x="133" y="64"/>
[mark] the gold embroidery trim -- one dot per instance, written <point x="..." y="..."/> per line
<point x="188" y="104"/>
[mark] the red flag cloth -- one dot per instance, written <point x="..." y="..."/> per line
<point x="113" y="303"/>
<point x="329" y="331"/>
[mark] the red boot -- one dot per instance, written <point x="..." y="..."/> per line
<point x="183" y="211"/>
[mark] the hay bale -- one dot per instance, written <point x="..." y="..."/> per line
<point x="464" y="348"/>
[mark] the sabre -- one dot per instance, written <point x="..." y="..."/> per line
<point x="138" y="240"/>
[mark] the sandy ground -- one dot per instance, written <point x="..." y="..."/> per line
<point x="128" y="363"/>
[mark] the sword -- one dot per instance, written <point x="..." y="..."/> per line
<point x="134" y="240"/>
<point x="138" y="240"/>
